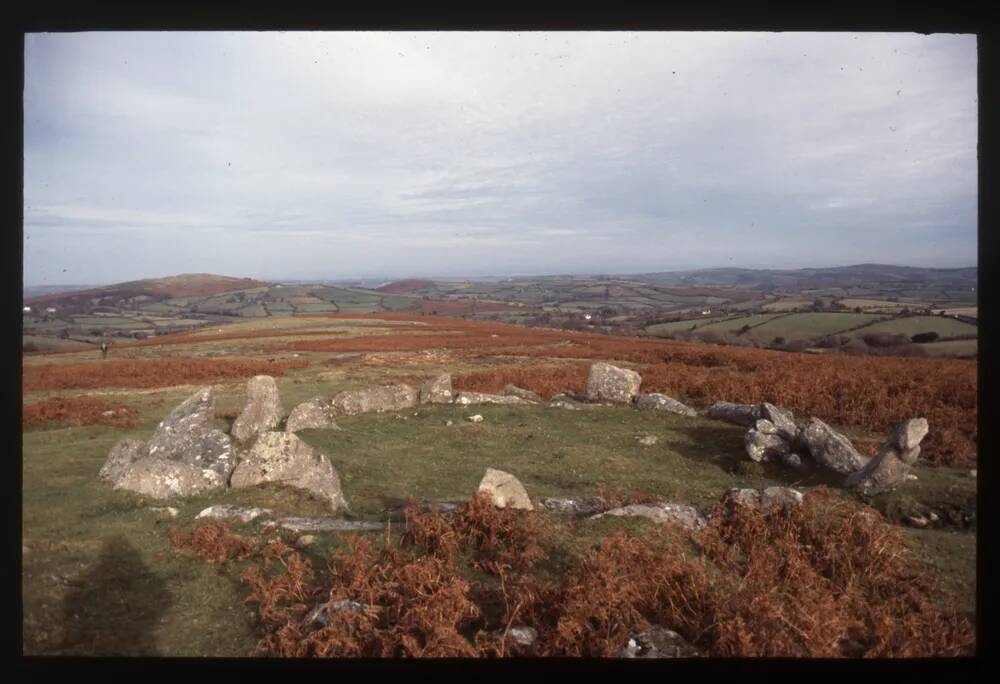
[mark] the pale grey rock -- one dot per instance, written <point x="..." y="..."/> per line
<point x="661" y="402"/>
<point x="315" y="414"/>
<point x="378" y="399"/>
<point x="320" y="615"/>
<point x="165" y="511"/>
<point x="437" y="390"/>
<point x="892" y="463"/>
<point x="783" y="421"/>
<point x="283" y="457"/>
<point x="187" y="435"/>
<point x="560" y="401"/>
<point x="519" y="635"/>
<point x="526" y="394"/>
<point x="765" y="498"/>
<point x="915" y="521"/>
<point x="659" y="642"/>
<point x="584" y="505"/>
<point x="262" y="411"/>
<point x="325" y="525"/>
<point x="793" y="460"/>
<point x="611" y="383"/>
<point x="972" y="473"/>
<point x="763" y="443"/>
<point x="647" y="440"/>
<point x="475" y="419"/>
<point x="243" y="513"/>
<point x="123" y="454"/>
<point x="738" y="414"/>
<point x="680" y="514"/>
<point x="159" y="478"/>
<point x="504" y="490"/>
<point x="831" y="449"/>
<point x="468" y="398"/>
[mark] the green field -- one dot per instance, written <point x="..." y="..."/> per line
<point x="952" y="348"/>
<point x="912" y="325"/>
<point x="804" y="326"/>
<point x="733" y="325"/>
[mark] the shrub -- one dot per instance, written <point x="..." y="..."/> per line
<point x="921" y="338"/>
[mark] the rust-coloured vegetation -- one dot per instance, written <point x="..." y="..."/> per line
<point x="76" y="411"/>
<point x="165" y="372"/>
<point x="827" y="579"/>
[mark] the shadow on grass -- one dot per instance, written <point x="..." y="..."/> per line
<point x="115" y="606"/>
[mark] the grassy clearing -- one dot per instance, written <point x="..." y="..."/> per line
<point x="912" y="325"/>
<point x="809" y="325"/>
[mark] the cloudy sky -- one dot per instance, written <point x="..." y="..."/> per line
<point x="343" y="155"/>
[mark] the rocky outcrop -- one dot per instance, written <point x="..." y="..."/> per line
<point x="283" y="457"/>
<point x="377" y="399"/>
<point x="661" y="402"/>
<point x="244" y="514"/>
<point x="315" y="414"/>
<point x="658" y="642"/>
<point x="469" y="398"/>
<point x="187" y="435"/>
<point x="123" y="454"/>
<point x="892" y="463"/>
<point x="738" y="414"/>
<point x="437" y="390"/>
<point x="526" y="394"/>
<point x="831" y="449"/>
<point x="679" y="514"/>
<point x="262" y="411"/>
<point x="159" y="478"/>
<point x="610" y="383"/>
<point x="504" y="490"/>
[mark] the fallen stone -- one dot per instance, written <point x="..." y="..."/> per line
<point x="283" y="457"/>
<point x="763" y="443"/>
<point x="892" y="463"/>
<point x="765" y="498"/>
<point x="661" y="402"/>
<point x="782" y="419"/>
<point x="917" y="521"/>
<point x="611" y="383"/>
<point x="316" y="414"/>
<point x="584" y="505"/>
<point x="738" y="414"/>
<point x="831" y="449"/>
<point x="468" y="398"/>
<point x="159" y="478"/>
<point x="378" y="399"/>
<point x="262" y="411"/>
<point x="187" y="435"/>
<point x="519" y="635"/>
<point x="165" y="511"/>
<point x="526" y="394"/>
<point x="320" y="615"/>
<point x="646" y="440"/>
<point x="243" y="513"/>
<point x="559" y="401"/>
<point x="325" y="525"/>
<point x="437" y="390"/>
<point x="680" y="514"/>
<point x="658" y="642"/>
<point x="476" y="418"/>
<point x="504" y="490"/>
<point x="123" y="454"/>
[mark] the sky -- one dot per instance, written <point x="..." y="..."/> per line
<point x="328" y="155"/>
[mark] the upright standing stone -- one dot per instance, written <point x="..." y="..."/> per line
<point x="186" y="435"/>
<point x="830" y="448"/>
<point x="610" y="383"/>
<point x="262" y="411"/>
<point x="437" y="390"/>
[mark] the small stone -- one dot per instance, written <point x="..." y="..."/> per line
<point x="243" y="513"/>
<point x="165" y="511"/>
<point x="449" y="423"/>
<point x="504" y="490"/>
<point x="646" y="440"/>
<point x="476" y="418"/>
<point x="911" y="476"/>
<point x="972" y="473"/>
<point x="915" y="521"/>
<point x="304" y="541"/>
<point x="933" y="517"/>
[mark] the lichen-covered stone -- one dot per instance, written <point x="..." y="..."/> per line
<point x="831" y="449"/>
<point x="738" y="414"/>
<point x="317" y="414"/>
<point x="160" y="478"/>
<point x="242" y="513"/>
<point x="187" y="435"/>
<point x="469" y="398"/>
<point x="504" y="490"/>
<point x="437" y="390"/>
<point x="123" y="454"/>
<point x="680" y="514"/>
<point x="378" y="399"/>
<point x="661" y="402"/>
<point x="526" y="394"/>
<point x="262" y="411"/>
<point x="611" y="383"/>
<point x="892" y="463"/>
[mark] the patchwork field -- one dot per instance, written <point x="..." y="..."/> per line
<point x="101" y="575"/>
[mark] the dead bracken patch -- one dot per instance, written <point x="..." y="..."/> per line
<point x="78" y="411"/>
<point x="827" y="579"/>
<point x="147" y="373"/>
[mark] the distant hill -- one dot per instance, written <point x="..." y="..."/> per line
<point x="859" y="275"/>
<point x="405" y="286"/>
<point x="184" y="285"/>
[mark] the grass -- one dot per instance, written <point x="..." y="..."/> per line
<point x="809" y="325"/>
<point x="912" y="325"/>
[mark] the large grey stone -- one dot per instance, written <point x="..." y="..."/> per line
<point x="469" y="398"/>
<point x="186" y="435"/>
<point x="317" y="413"/>
<point x="283" y="457"/>
<point x="831" y="449"/>
<point x="262" y="411"/>
<point x="504" y="490"/>
<point x="123" y="454"/>
<point x="764" y="444"/>
<point x="611" y="383"/>
<point x="892" y="463"/>
<point x="782" y="419"/>
<point x="437" y="390"/>
<point x="661" y="402"/>
<point x="378" y="399"/>
<point x="159" y="478"/>
<point x="680" y="514"/>
<point x="738" y="414"/>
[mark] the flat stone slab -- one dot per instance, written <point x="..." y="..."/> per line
<point x="244" y="513"/>
<point x="583" y="505"/>
<point x="325" y="525"/>
<point x="681" y="514"/>
<point x="468" y="398"/>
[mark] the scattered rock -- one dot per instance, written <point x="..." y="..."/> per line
<point x="911" y="476"/>
<point x="121" y="457"/>
<point x="262" y="411"/>
<point x="738" y="414"/>
<point x="646" y="440"/>
<point x="917" y="521"/>
<point x="892" y="463"/>
<point x="610" y="383"/>
<point x="467" y="398"/>
<point x="283" y="457"/>
<point x="379" y="399"/>
<point x="437" y="390"/>
<point x="681" y="514"/>
<point x="519" y="635"/>
<point x="658" y="642"/>
<point x="584" y="505"/>
<point x="564" y="402"/>
<point x="187" y="435"/>
<point x="770" y="496"/>
<point x="317" y="413"/>
<point x="661" y="402"/>
<point x="320" y="615"/>
<point x="933" y="517"/>
<point x="243" y="513"/>
<point x="504" y="490"/>
<point x="764" y="444"/>
<point x="830" y="448"/>
<point x="305" y="541"/>
<point x="475" y="419"/>
<point x="526" y="394"/>
<point x="448" y="423"/>
<point x="159" y="478"/>
<point x="165" y="511"/>
<point x="325" y="525"/>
